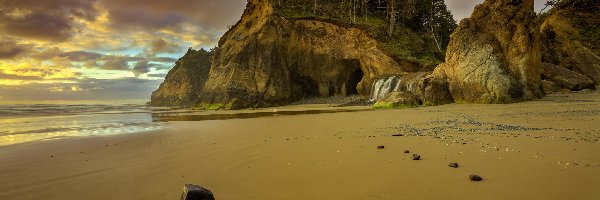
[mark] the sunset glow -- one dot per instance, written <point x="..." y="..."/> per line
<point x="101" y="49"/>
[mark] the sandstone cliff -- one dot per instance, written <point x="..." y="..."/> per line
<point x="267" y="60"/>
<point x="277" y="54"/>
<point x="494" y="56"/>
<point x="184" y="82"/>
<point x="571" y="41"/>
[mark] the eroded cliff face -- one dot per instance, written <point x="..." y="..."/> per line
<point x="571" y="42"/>
<point x="183" y="84"/>
<point x="266" y="60"/>
<point x="494" y="56"/>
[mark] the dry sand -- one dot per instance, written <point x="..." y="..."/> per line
<point x="544" y="149"/>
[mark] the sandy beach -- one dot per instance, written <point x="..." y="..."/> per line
<point x="542" y="149"/>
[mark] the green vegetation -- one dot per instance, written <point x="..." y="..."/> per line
<point x="590" y="35"/>
<point x="387" y="105"/>
<point x="413" y="30"/>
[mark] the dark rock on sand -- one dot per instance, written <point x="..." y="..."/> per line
<point x="381" y="147"/>
<point x="406" y="151"/>
<point x="474" y="177"/>
<point x="194" y="192"/>
<point x="453" y="165"/>
<point x="416" y="157"/>
<point x="398" y="135"/>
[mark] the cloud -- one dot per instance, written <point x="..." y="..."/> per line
<point x="160" y="14"/>
<point x="141" y="67"/>
<point x="87" y="89"/>
<point x="159" y="45"/>
<point x="44" y="20"/>
<point x="81" y="56"/>
<point x="10" y="49"/>
<point x="116" y="63"/>
<point x="17" y="77"/>
<point x="101" y="49"/>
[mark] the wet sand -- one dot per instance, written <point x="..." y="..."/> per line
<point x="543" y="149"/>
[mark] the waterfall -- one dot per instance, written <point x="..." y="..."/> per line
<point x="382" y="87"/>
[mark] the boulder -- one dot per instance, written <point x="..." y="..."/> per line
<point x="565" y="78"/>
<point x="550" y="87"/>
<point x="494" y="56"/>
<point x="571" y="38"/>
<point x="195" y="192"/>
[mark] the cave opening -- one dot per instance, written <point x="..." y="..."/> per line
<point x="351" y="85"/>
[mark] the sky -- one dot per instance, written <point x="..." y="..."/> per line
<point x="109" y="50"/>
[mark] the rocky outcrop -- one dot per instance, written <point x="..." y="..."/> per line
<point x="565" y="78"/>
<point x="494" y="56"/>
<point x="267" y="60"/>
<point x="183" y="84"/>
<point x="195" y="192"/>
<point x="571" y="40"/>
<point x="429" y="89"/>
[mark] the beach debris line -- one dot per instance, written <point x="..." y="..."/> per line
<point x="195" y="192"/>
<point x="416" y="157"/>
<point x="474" y="177"/>
<point x="453" y="165"/>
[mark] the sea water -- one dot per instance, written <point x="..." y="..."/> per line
<point x="40" y="122"/>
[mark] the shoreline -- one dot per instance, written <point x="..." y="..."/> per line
<point x="541" y="149"/>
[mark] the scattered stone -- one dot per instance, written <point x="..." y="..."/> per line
<point x="194" y="192"/>
<point x="381" y="147"/>
<point x="453" y="165"/>
<point x="406" y="151"/>
<point x="416" y="157"/>
<point x="398" y="135"/>
<point x="474" y="177"/>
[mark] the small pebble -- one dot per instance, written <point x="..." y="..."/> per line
<point x="380" y="147"/>
<point x="398" y="135"/>
<point x="453" y="165"/>
<point x="474" y="177"/>
<point x="416" y="157"/>
<point x="406" y="151"/>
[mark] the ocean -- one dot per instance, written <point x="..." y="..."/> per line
<point x="41" y="122"/>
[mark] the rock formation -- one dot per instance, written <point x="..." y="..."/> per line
<point x="195" y="192"/>
<point x="280" y="52"/>
<point x="267" y="60"/>
<point x="494" y="56"/>
<point x="429" y="89"/>
<point x="183" y="84"/>
<point x="565" y="78"/>
<point x="571" y="41"/>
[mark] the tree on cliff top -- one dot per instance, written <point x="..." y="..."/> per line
<point x="407" y="28"/>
